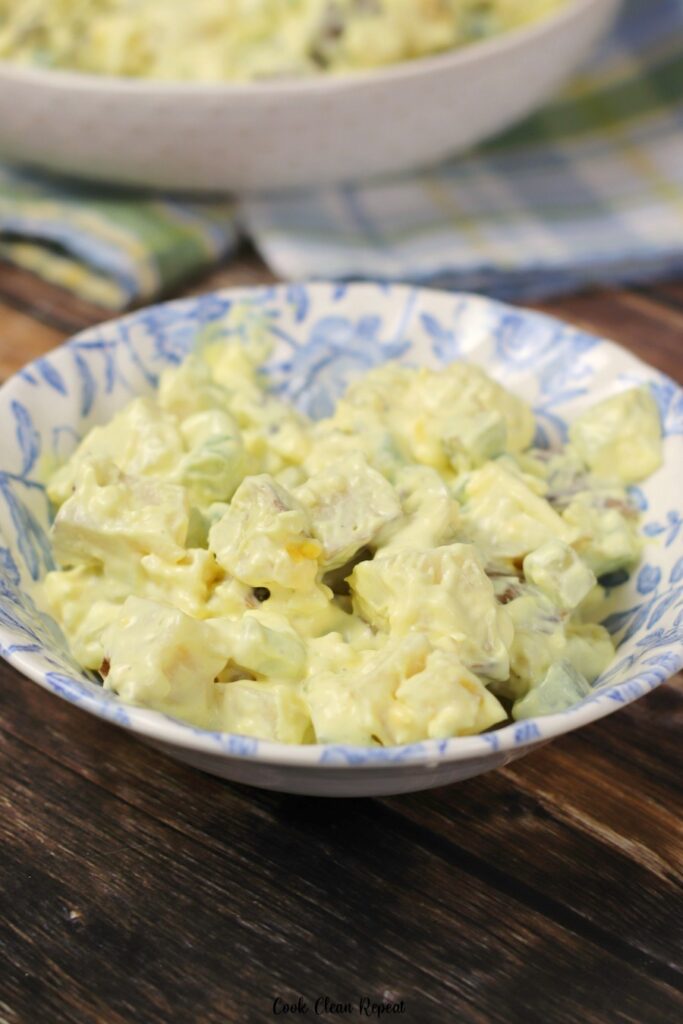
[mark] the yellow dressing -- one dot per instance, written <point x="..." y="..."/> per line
<point x="386" y="575"/>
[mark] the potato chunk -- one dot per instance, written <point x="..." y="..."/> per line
<point x="557" y="570"/>
<point x="443" y="593"/>
<point x="160" y="657"/>
<point x="505" y="518"/>
<point x="265" y="536"/>
<point x="142" y="440"/>
<point x="406" y="691"/>
<point x="620" y="438"/>
<point x="117" y="519"/>
<point x="348" y="502"/>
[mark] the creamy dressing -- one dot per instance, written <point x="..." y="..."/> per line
<point x="409" y="567"/>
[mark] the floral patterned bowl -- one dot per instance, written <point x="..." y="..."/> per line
<point x="325" y="335"/>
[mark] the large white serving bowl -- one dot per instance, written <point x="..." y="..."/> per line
<point x="280" y="134"/>
<point x="325" y="335"/>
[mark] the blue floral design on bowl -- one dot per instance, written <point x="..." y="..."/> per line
<point x="324" y="336"/>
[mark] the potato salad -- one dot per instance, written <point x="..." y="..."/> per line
<point x="410" y="567"/>
<point x="213" y="40"/>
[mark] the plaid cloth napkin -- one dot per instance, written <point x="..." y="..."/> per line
<point x="110" y="247"/>
<point x="590" y="190"/>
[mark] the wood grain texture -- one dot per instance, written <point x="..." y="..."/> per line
<point x="497" y="900"/>
<point x="46" y="302"/>
<point x="135" y="889"/>
<point x="23" y="339"/>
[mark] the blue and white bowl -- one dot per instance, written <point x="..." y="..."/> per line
<point x="327" y="334"/>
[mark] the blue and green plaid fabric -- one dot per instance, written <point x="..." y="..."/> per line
<point x="111" y="247"/>
<point x="590" y="190"/>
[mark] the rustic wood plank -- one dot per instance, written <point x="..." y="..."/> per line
<point x="667" y="292"/>
<point x="594" y="836"/>
<point x="648" y="841"/>
<point x="148" y="900"/>
<point x="618" y="805"/>
<point x="134" y="884"/>
<point x="22" y="338"/>
<point x="47" y="302"/>
<point x="653" y="728"/>
<point x="464" y="827"/>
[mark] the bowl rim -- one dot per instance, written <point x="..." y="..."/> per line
<point x="58" y="79"/>
<point x="510" y="737"/>
<point x="523" y="735"/>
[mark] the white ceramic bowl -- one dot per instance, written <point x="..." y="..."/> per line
<point x="326" y="335"/>
<point x="272" y="135"/>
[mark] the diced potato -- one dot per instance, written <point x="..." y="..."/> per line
<point x="262" y="642"/>
<point x="187" y="583"/>
<point x="458" y="417"/>
<point x="589" y="649"/>
<point x="84" y="601"/>
<point x="116" y="519"/>
<point x="376" y="393"/>
<point x="267" y="710"/>
<point x="543" y="636"/>
<point x="463" y="398"/>
<point x="235" y="365"/>
<point x="443" y="593"/>
<point x="621" y="437"/>
<point x="159" y="656"/>
<point x="188" y="389"/>
<point x="557" y="570"/>
<point x="348" y="503"/>
<point x="505" y="518"/>
<point x="443" y="700"/>
<point x="404" y="692"/>
<point x="605" y="529"/>
<point x="450" y="419"/>
<point x="472" y="438"/>
<point x="430" y="514"/>
<point x="141" y="440"/>
<point x="372" y="439"/>
<point x="265" y="536"/>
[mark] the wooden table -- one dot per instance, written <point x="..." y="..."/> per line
<point x="138" y="890"/>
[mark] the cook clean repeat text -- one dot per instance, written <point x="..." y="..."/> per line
<point x="323" y="1005"/>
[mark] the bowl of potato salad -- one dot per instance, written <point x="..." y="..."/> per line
<point x="261" y="94"/>
<point x="342" y="539"/>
